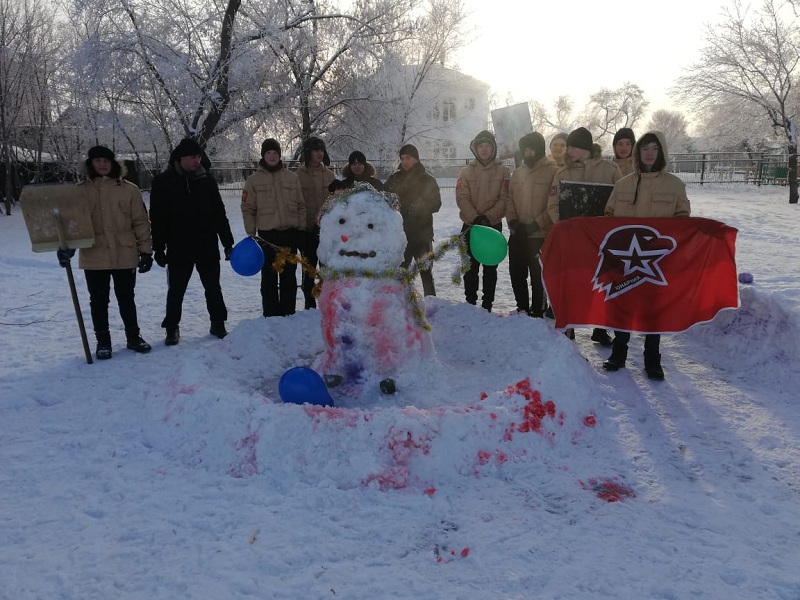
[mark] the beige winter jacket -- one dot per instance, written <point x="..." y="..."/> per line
<point x="273" y="200"/>
<point x="592" y="170"/>
<point x="658" y="194"/>
<point x="527" y="200"/>
<point x="625" y="165"/>
<point x="120" y="223"/>
<point x="314" y="182"/>
<point x="483" y="190"/>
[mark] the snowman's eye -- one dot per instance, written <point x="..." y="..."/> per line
<point x="371" y="226"/>
<point x="341" y="221"/>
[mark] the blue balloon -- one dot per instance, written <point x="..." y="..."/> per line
<point x="300" y="385"/>
<point x="247" y="257"/>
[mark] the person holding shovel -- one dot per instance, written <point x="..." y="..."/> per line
<point x="122" y="243"/>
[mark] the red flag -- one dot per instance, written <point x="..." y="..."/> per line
<point x="639" y="275"/>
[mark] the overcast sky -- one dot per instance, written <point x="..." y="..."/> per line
<point x="541" y="50"/>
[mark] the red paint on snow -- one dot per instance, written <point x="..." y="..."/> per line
<point x="610" y="490"/>
<point x="589" y="420"/>
<point x="429" y="491"/>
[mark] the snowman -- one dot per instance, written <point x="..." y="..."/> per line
<point x="372" y="322"/>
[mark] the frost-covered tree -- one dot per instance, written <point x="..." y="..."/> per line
<point x="674" y="125"/>
<point x="610" y="110"/>
<point x="26" y="50"/>
<point x="751" y="59"/>
<point x="226" y="67"/>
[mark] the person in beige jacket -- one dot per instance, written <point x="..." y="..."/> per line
<point x="315" y="177"/>
<point x="622" y="145"/>
<point x="529" y="222"/>
<point x="122" y="243"/>
<point x="581" y="166"/>
<point x="481" y="196"/>
<point x="648" y="192"/>
<point x="273" y="208"/>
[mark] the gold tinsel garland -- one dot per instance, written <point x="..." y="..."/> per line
<point x="284" y="255"/>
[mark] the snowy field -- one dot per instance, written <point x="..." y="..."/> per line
<point x="511" y="467"/>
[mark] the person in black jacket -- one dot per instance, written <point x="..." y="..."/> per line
<point x="419" y="199"/>
<point x="357" y="169"/>
<point x="187" y="217"/>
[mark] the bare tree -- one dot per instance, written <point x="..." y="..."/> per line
<point x="673" y="124"/>
<point x="610" y="110"/>
<point x="752" y="58"/>
<point x="560" y="119"/>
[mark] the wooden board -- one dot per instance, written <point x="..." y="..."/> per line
<point x="40" y="205"/>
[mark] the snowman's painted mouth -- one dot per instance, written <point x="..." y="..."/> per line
<point x="370" y="254"/>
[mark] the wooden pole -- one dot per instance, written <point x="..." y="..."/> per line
<point x="75" y="303"/>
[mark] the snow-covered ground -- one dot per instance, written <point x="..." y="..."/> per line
<point x="492" y="473"/>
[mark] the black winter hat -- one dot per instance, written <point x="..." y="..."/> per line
<point x="187" y="147"/>
<point x="534" y="141"/>
<point x="270" y="144"/>
<point x="315" y="143"/>
<point x="409" y="150"/>
<point x="580" y="138"/>
<point x="101" y="152"/>
<point x="626" y="133"/>
<point x="357" y="157"/>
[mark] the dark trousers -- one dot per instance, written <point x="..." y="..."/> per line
<point x="278" y="290"/>
<point x="308" y="250"/>
<point x="178" y="276"/>
<point x="98" y="283"/>
<point x="415" y="250"/>
<point x="652" y="341"/>
<point x="523" y="262"/>
<point x="472" y="277"/>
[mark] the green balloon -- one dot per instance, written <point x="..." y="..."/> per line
<point x="487" y="245"/>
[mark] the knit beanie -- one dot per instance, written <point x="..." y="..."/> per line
<point x="357" y="157"/>
<point x="187" y="147"/>
<point x="409" y="150"/>
<point x="100" y="152"/>
<point x="534" y="141"/>
<point x="562" y="135"/>
<point x="580" y="138"/>
<point x="270" y="144"/>
<point x="626" y="133"/>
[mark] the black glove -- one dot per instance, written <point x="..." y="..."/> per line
<point x="532" y="228"/>
<point x="521" y="230"/>
<point x="228" y="251"/>
<point x="481" y="220"/>
<point x="145" y="262"/>
<point x="161" y="258"/>
<point x="64" y="256"/>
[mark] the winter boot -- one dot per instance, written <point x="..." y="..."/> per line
<point x="652" y="366"/>
<point x="137" y="344"/>
<point x="173" y="336"/>
<point x="103" y="351"/>
<point x="602" y="337"/>
<point x="218" y="329"/>
<point x="487" y="306"/>
<point x="617" y="359"/>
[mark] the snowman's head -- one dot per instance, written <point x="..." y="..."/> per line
<point x="361" y="229"/>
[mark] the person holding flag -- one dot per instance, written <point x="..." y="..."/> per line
<point x="648" y="192"/>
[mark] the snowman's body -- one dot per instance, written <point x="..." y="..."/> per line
<point x="368" y="323"/>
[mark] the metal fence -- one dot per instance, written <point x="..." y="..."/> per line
<point x="693" y="168"/>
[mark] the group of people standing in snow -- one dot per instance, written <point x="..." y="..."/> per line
<point x="280" y="207"/>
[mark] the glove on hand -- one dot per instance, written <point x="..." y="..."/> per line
<point x="64" y="256"/>
<point x="145" y="262"/>
<point x="161" y="258"/>
<point x="228" y="251"/>
<point x="481" y="220"/>
<point x="532" y="228"/>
